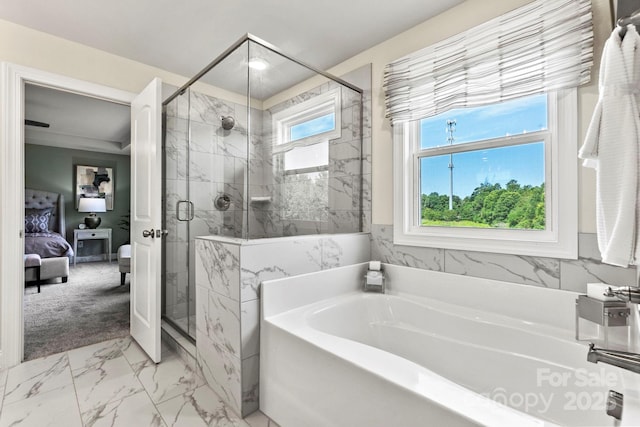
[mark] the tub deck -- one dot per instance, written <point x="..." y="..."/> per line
<point x="357" y="359"/>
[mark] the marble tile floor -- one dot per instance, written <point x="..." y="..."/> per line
<point x="114" y="384"/>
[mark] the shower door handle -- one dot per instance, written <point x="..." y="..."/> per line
<point x="178" y="210"/>
<point x="190" y="210"/>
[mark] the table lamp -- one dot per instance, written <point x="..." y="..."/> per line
<point x="92" y="205"/>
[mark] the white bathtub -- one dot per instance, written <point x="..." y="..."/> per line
<point x="437" y="349"/>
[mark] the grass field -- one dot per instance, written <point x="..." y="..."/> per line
<point x="433" y="223"/>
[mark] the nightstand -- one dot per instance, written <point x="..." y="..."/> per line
<point x="92" y="234"/>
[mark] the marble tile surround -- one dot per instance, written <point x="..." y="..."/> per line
<point x="227" y="320"/>
<point x="570" y="275"/>
<point x="217" y="162"/>
<point x="344" y="170"/>
<point x="205" y="161"/>
<point x="225" y="328"/>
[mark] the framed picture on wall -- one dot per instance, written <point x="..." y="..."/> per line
<point x="95" y="181"/>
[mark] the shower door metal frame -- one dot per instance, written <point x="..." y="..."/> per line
<point x="266" y="45"/>
<point x="231" y="49"/>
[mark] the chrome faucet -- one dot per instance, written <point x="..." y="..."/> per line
<point x="624" y="293"/>
<point x="621" y="359"/>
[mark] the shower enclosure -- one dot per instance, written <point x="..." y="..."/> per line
<point x="257" y="145"/>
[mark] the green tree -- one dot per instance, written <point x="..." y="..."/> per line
<point x="513" y="185"/>
<point x="487" y="212"/>
<point x="514" y="206"/>
<point x="507" y="200"/>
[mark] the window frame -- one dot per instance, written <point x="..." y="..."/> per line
<point x="559" y="239"/>
<point x="282" y="122"/>
<point x="318" y="106"/>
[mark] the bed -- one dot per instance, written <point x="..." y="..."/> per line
<point x="45" y="233"/>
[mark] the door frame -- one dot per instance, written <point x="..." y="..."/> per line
<point x="12" y="168"/>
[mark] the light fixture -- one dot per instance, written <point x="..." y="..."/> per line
<point x="257" y="64"/>
<point x="92" y="205"/>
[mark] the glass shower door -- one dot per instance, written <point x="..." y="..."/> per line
<point x="178" y="298"/>
<point x="206" y="139"/>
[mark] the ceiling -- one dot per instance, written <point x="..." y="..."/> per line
<point x="76" y="121"/>
<point x="183" y="37"/>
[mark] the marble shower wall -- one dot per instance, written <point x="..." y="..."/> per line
<point x="348" y="178"/>
<point x="211" y="163"/>
<point x="228" y="276"/>
<point x="570" y="275"/>
<point x="202" y="161"/>
<point x="217" y="163"/>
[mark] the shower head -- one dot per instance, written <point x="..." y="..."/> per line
<point x="228" y="122"/>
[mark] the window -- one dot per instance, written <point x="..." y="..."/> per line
<point x="485" y="166"/>
<point x="302" y="135"/>
<point x="498" y="178"/>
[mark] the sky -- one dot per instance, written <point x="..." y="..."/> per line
<point x="524" y="163"/>
<point x="313" y="127"/>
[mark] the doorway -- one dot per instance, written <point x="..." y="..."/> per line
<point x="12" y="185"/>
<point x="67" y="137"/>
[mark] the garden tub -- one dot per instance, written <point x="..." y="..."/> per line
<point x="435" y="349"/>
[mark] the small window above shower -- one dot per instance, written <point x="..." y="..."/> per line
<point x="302" y="132"/>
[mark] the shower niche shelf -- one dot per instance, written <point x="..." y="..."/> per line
<point x="260" y="200"/>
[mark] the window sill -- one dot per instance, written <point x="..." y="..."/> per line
<point x="553" y="247"/>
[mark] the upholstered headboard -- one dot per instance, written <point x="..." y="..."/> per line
<point x="38" y="199"/>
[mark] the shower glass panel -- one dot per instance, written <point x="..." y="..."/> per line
<point x="257" y="145"/>
<point x="305" y="152"/>
<point x="177" y="293"/>
<point x="218" y="124"/>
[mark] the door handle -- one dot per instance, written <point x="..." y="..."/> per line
<point x="148" y="233"/>
<point x="161" y="233"/>
<point x="190" y="210"/>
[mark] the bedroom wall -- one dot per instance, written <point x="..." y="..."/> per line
<point x="52" y="169"/>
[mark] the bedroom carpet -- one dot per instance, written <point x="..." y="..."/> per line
<point x="91" y="307"/>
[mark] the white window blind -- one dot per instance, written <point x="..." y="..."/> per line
<point x="543" y="46"/>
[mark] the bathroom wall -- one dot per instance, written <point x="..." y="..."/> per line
<point x="340" y="212"/>
<point x="24" y="46"/>
<point x="539" y="271"/>
<point x="228" y="276"/>
<point x="346" y="183"/>
<point x="569" y="275"/>
<point x="460" y="18"/>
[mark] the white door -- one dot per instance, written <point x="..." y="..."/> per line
<point x="146" y="205"/>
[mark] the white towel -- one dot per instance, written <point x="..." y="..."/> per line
<point x="611" y="146"/>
